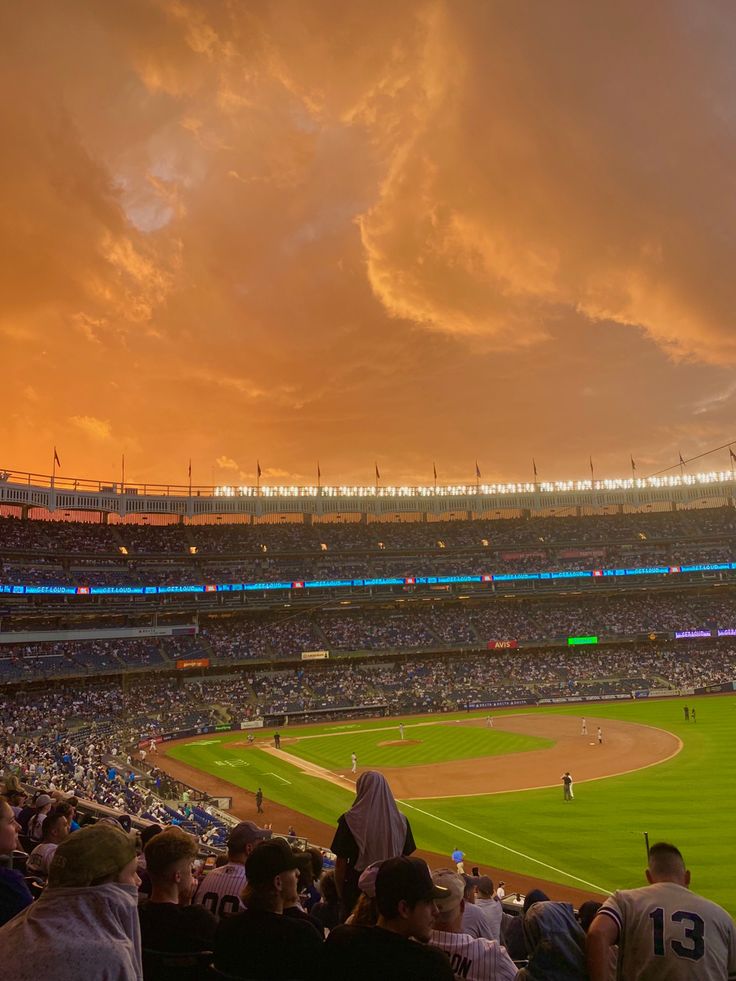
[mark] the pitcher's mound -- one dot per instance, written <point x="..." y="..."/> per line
<point x="400" y="742"/>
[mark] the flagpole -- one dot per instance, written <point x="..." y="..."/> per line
<point x="319" y="476"/>
<point x="190" y="476"/>
<point x="53" y="468"/>
<point x="122" y="474"/>
<point x="592" y="473"/>
<point x="633" y="468"/>
<point x="258" y="477"/>
<point x="534" y="471"/>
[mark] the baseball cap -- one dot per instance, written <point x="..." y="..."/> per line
<point x="42" y="800"/>
<point x="269" y="859"/>
<point x="485" y="884"/>
<point x="455" y="886"/>
<point x="367" y="880"/>
<point x="246" y="833"/>
<point x="94" y="852"/>
<point x="408" y="879"/>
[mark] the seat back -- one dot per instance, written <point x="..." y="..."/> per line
<point x="160" y="965"/>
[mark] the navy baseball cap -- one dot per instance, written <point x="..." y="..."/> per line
<point x="408" y="879"/>
<point x="269" y="859"/>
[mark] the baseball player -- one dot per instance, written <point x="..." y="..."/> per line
<point x="354" y="762"/>
<point x="474" y="958"/>
<point x="489" y="721"/>
<point x="567" y="786"/>
<point x="662" y="930"/>
<point x="600" y="736"/>
<point x="584" y="727"/>
<point x="401" y="729"/>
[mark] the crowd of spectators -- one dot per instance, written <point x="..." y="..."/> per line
<point x="431" y="626"/>
<point x="81" y="554"/>
<point x="100" y="901"/>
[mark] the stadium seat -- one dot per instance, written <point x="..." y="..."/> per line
<point x="159" y="965"/>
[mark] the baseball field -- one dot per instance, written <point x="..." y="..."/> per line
<point x="496" y="792"/>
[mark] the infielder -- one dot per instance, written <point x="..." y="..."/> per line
<point x="567" y="786"/>
<point x="354" y="762"/>
<point x="584" y="728"/>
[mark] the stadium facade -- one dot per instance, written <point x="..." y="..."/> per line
<point x="31" y="494"/>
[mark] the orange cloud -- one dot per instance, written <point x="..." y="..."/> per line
<point x="347" y="231"/>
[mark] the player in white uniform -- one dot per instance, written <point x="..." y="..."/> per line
<point x="664" y="931"/>
<point x="219" y="891"/>
<point x="354" y="763"/>
<point x="471" y="958"/>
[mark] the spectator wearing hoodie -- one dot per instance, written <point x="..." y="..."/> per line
<point x="512" y="927"/>
<point x="85" y="923"/>
<point x="556" y="944"/>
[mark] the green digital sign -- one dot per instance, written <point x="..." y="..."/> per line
<point x="575" y="641"/>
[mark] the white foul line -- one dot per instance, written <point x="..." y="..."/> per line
<point x="498" y="844"/>
<point x="271" y="774"/>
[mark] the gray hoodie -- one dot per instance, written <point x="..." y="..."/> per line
<point x="75" y="934"/>
<point x="556" y="944"/>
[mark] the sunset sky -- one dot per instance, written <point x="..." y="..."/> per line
<point x="359" y="230"/>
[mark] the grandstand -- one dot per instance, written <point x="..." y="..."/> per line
<point x="120" y="634"/>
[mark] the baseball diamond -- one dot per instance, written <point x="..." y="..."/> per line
<point x="505" y="806"/>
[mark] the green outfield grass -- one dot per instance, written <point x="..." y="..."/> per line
<point x="424" y="743"/>
<point x="595" y="841"/>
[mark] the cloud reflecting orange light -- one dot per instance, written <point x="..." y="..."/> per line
<point x="415" y="232"/>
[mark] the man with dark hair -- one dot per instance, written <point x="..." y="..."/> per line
<point x="405" y="897"/>
<point x="663" y="930"/>
<point x="512" y="927"/>
<point x="490" y="907"/>
<point x="261" y="942"/>
<point x="168" y="921"/>
<point x="220" y="890"/>
<point x="54" y="830"/>
<point x="475" y="923"/>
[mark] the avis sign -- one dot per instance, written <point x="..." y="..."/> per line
<point x="502" y="645"/>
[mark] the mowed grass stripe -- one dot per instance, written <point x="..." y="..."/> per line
<point x="423" y="744"/>
<point x="311" y="795"/>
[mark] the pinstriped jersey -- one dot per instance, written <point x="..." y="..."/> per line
<point x="219" y="891"/>
<point x="474" y="958"/>
<point x="668" y="933"/>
